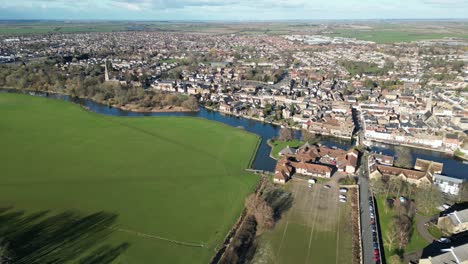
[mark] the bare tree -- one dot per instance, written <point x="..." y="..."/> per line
<point x="427" y="198"/>
<point x="403" y="157"/>
<point x="262" y="212"/>
<point x="286" y="134"/>
<point x="390" y="238"/>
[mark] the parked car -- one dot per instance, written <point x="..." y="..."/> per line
<point x="342" y="196"/>
<point x="343" y="190"/>
<point x="444" y="240"/>
<point x="327" y="186"/>
<point x="376" y="246"/>
<point x="342" y="200"/>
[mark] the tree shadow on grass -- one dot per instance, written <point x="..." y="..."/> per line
<point x="43" y="237"/>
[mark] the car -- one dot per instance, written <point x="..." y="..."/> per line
<point x="446" y="206"/>
<point x="376" y="246"/>
<point x="342" y="196"/>
<point x="371" y="214"/>
<point x="376" y="252"/>
<point x="376" y="258"/>
<point x="327" y="186"/>
<point x="443" y="240"/>
<point x="342" y="200"/>
<point x="373" y="229"/>
<point x="343" y="190"/>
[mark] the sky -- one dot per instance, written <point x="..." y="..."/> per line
<point x="231" y="10"/>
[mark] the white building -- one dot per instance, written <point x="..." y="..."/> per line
<point x="447" y="184"/>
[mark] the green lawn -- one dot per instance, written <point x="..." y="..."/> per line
<point x="416" y="241"/>
<point x="277" y="146"/>
<point x="164" y="177"/>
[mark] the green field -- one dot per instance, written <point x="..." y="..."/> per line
<point x="416" y="241"/>
<point x="150" y="179"/>
<point x="392" y="36"/>
<point x="316" y="229"/>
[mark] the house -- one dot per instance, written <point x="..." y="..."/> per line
<point x="382" y="159"/>
<point x="311" y="169"/>
<point x="283" y="171"/>
<point x="409" y="175"/>
<point x="287" y="151"/>
<point x="429" y="166"/>
<point x="423" y="172"/>
<point x="455" y="255"/>
<point x="454" y="223"/>
<point x="448" y="184"/>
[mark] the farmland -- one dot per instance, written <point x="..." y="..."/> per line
<point x="156" y="192"/>
<point x="315" y="230"/>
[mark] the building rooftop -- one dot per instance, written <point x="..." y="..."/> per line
<point x="453" y="255"/>
<point x="458" y="217"/>
<point x="447" y="178"/>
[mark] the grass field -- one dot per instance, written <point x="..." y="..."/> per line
<point x="416" y="241"/>
<point x="315" y="230"/>
<point x="172" y="178"/>
<point x="391" y="36"/>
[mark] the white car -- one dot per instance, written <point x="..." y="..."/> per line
<point x="342" y="200"/>
<point x="444" y="240"/>
<point x="327" y="186"/>
<point x="343" y="190"/>
<point x="342" y="196"/>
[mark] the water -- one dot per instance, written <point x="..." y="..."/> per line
<point x="262" y="161"/>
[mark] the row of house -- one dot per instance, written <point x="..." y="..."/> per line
<point x="424" y="172"/>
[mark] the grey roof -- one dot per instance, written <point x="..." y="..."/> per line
<point x="453" y="255"/>
<point x="447" y="178"/>
<point x="459" y="217"/>
<point x="287" y="151"/>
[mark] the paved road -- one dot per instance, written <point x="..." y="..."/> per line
<point x="366" y="230"/>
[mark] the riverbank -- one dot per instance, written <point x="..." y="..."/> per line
<point x="410" y="146"/>
<point x="131" y="107"/>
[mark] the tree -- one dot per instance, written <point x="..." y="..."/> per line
<point x="262" y="212"/>
<point x="308" y="136"/>
<point x="427" y="198"/>
<point x="286" y="134"/>
<point x="191" y="103"/>
<point x="403" y="157"/>
<point x="403" y="228"/>
<point x="391" y="238"/>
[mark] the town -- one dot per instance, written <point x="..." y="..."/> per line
<point x="400" y="97"/>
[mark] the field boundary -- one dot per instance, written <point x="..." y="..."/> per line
<point x="220" y="250"/>
<point x="254" y="154"/>
<point x="182" y="243"/>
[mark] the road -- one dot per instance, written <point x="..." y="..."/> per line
<point x="366" y="230"/>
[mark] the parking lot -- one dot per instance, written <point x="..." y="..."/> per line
<point x="316" y="229"/>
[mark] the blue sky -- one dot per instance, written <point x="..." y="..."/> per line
<point x="237" y="10"/>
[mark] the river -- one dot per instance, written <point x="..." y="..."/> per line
<point x="262" y="161"/>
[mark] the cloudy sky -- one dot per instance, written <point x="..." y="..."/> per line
<point x="237" y="10"/>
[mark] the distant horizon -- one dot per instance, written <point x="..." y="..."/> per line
<point x="235" y="21"/>
<point x="232" y="10"/>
